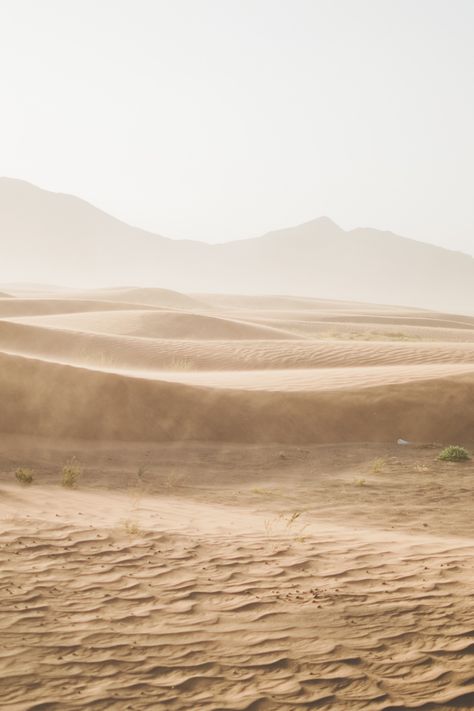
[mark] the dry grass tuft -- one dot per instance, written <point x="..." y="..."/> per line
<point x="378" y="465"/>
<point x="24" y="476"/>
<point x="71" y="473"/>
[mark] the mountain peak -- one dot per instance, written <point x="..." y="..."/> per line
<point x="319" y="226"/>
<point x="326" y="221"/>
<point x="322" y="222"/>
<point x="53" y="238"/>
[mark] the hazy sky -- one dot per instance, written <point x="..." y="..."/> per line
<point x="220" y="119"/>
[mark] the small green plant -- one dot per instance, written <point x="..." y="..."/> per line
<point x="24" y="476"/>
<point x="71" y="473"/>
<point x="453" y="453"/>
<point x="359" y="482"/>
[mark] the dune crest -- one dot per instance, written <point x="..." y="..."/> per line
<point x="256" y="370"/>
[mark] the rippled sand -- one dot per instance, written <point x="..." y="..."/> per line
<point x="246" y="533"/>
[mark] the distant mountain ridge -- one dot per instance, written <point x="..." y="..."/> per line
<point x="57" y="238"/>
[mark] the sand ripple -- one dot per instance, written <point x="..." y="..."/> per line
<point x="95" y="618"/>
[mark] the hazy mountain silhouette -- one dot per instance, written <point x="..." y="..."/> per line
<point x="56" y="238"/>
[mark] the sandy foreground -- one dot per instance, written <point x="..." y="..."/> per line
<point x="246" y="532"/>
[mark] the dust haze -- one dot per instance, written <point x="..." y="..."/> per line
<point x="236" y="355"/>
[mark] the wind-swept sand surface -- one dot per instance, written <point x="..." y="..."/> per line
<point x="246" y="532"/>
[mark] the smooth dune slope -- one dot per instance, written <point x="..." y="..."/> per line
<point x="104" y="350"/>
<point x="18" y="307"/>
<point x="104" y="369"/>
<point x="64" y="401"/>
<point x="163" y="298"/>
<point x="161" y="324"/>
<point x="310" y="379"/>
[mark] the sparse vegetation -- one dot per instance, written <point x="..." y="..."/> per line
<point x="421" y="468"/>
<point x="454" y="453"/>
<point x="292" y="518"/>
<point x="24" y="476"/>
<point x="359" y="482"/>
<point x="378" y="465"/>
<point x="262" y="491"/>
<point x="290" y="521"/>
<point x="131" y="527"/>
<point x="71" y="473"/>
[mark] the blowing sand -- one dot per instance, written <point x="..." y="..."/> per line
<point x="246" y="533"/>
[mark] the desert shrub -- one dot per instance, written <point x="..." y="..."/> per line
<point x="70" y="474"/>
<point x="453" y="453"/>
<point x="24" y="476"/>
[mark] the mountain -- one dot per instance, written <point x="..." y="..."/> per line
<point x="56" y="238"/>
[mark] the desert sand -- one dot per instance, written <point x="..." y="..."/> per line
<point x="245" y="533"/>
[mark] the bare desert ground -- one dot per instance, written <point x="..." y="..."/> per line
<point x="245" y="532"/>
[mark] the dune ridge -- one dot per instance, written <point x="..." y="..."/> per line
<point x="28" y="337"/>
<point x="48" y="399"/>
<point x="90" y="369"/>
<point x="20" y="307"/>
<point x="163" y="298"/>
<point x="161" y="324"/>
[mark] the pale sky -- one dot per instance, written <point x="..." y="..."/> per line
<point x="222" y="119"/>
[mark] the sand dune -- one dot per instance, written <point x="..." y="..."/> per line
<point x="163" y="298"/>
<point x="48" y="399"/>
<point x="247" y="533"/>
<point x="161" y="324"/>
<point x="88" y="368"/>
<point x="276" y="302"/>
<point x="311" y="379"/>
<point x="34" y="290"/>
<point x="362" y="330"/>
<point x="19" y="307"/>
<point x="126" y="352"/>
<point x="316" y="318"/>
